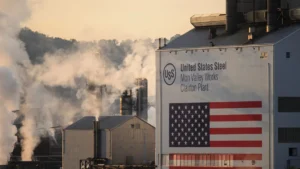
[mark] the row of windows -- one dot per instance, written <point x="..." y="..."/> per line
<point x="288" y="104"/>
<point x="288" y="135"/>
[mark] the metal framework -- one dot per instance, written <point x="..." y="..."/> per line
<point x="92" y="163"/>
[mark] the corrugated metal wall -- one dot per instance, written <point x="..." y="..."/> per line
<point x="79" y="145"/>
<point x="133" y="142"/>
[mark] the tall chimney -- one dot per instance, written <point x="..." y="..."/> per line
<point x="95" y="139"/>
<point x="231" y="16"/>
<point x="272" y="20"/>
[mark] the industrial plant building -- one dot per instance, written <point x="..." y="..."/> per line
<point x="259" y="44"/>
<point x="132" y="101"/>
<point x="120" y="139"/>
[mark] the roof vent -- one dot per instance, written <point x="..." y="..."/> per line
<point x="294" y="14"/>
<point x="209" y="20"/>
<point x="260" y="16"/>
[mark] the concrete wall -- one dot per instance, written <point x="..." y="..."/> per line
<point x="136" y="142"/>
<point x="286" y="84"/>
<point x="78" y="145"/>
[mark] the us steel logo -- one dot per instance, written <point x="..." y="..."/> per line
<point x="169" y="74"/>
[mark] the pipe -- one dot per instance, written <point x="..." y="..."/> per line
<point x="231" y="16"/>
<point x="95" y="139"/>
<point x="272" y="21"/>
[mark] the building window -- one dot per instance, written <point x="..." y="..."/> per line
<point x="293" y="152"/>
<point x="289" y="104"/>
<point x="287" y="55"/>
<point x="132" y="126"/>
<point x="289" y="135"/>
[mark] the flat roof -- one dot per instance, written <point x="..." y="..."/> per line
<point x="106" y="122"/>
<point x="199" y="37"/>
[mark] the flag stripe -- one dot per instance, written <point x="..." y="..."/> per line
<point x="233" y="111"/>
<point x="241" y="117"/>
<point x="215" y="156"/>
<point x="209" y="150"/>
<point x="184" y="167"/>
<point x="256" y="130"/>
<point x="245" y="104"/>
<point x="236" y="137"/>
<point x="235" y="143"/>
<point x="232" y="124"/>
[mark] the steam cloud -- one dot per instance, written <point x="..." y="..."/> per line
<point x="54" y="92"/>
<point x="97" y="66"/>
<point x="12" y="56"/>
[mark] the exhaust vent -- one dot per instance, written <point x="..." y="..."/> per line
<point x="260" y="16"/>
<point x="294" y="14"/>
<point x="208" y="20"/>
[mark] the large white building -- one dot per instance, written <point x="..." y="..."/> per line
<point x="228" y="93"/>
<point x="123" y="140"/>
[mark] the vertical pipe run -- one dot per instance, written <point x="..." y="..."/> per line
<point x="254" y="9"/>
<point x="231" y="16"/>
<point x="272" y="22"/>
<point x="95" y="139"/>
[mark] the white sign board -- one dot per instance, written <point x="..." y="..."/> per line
<point x="215" y="107"/>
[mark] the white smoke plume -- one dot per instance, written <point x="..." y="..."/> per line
<point x="13" y="59"/>
<point x="94" y="66"/>
<point x="8" y="102"/>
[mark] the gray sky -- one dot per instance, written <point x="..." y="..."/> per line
<point x="102" y="19"/>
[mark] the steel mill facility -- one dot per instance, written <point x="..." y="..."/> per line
<point x="227" y="96"/>
<point x="228" y="91"/>
<point x="121" y="130"/>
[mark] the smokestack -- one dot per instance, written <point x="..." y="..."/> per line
<point x="96" y="140"/>
<point x="142" y="98"/>
<point x="126" y="103"/>
<point x="272" y="21"/>
<point x="231" y="16"/>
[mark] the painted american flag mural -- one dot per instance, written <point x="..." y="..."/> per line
<point x="214" y="125"/>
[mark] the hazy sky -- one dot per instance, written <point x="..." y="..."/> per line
<point x="120" y="19"/>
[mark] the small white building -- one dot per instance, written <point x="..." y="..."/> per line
<point x="123" y="140"/>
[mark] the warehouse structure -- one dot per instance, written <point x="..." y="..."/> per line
<point x="250" y="94"/>
<point x="120" y="139"/>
